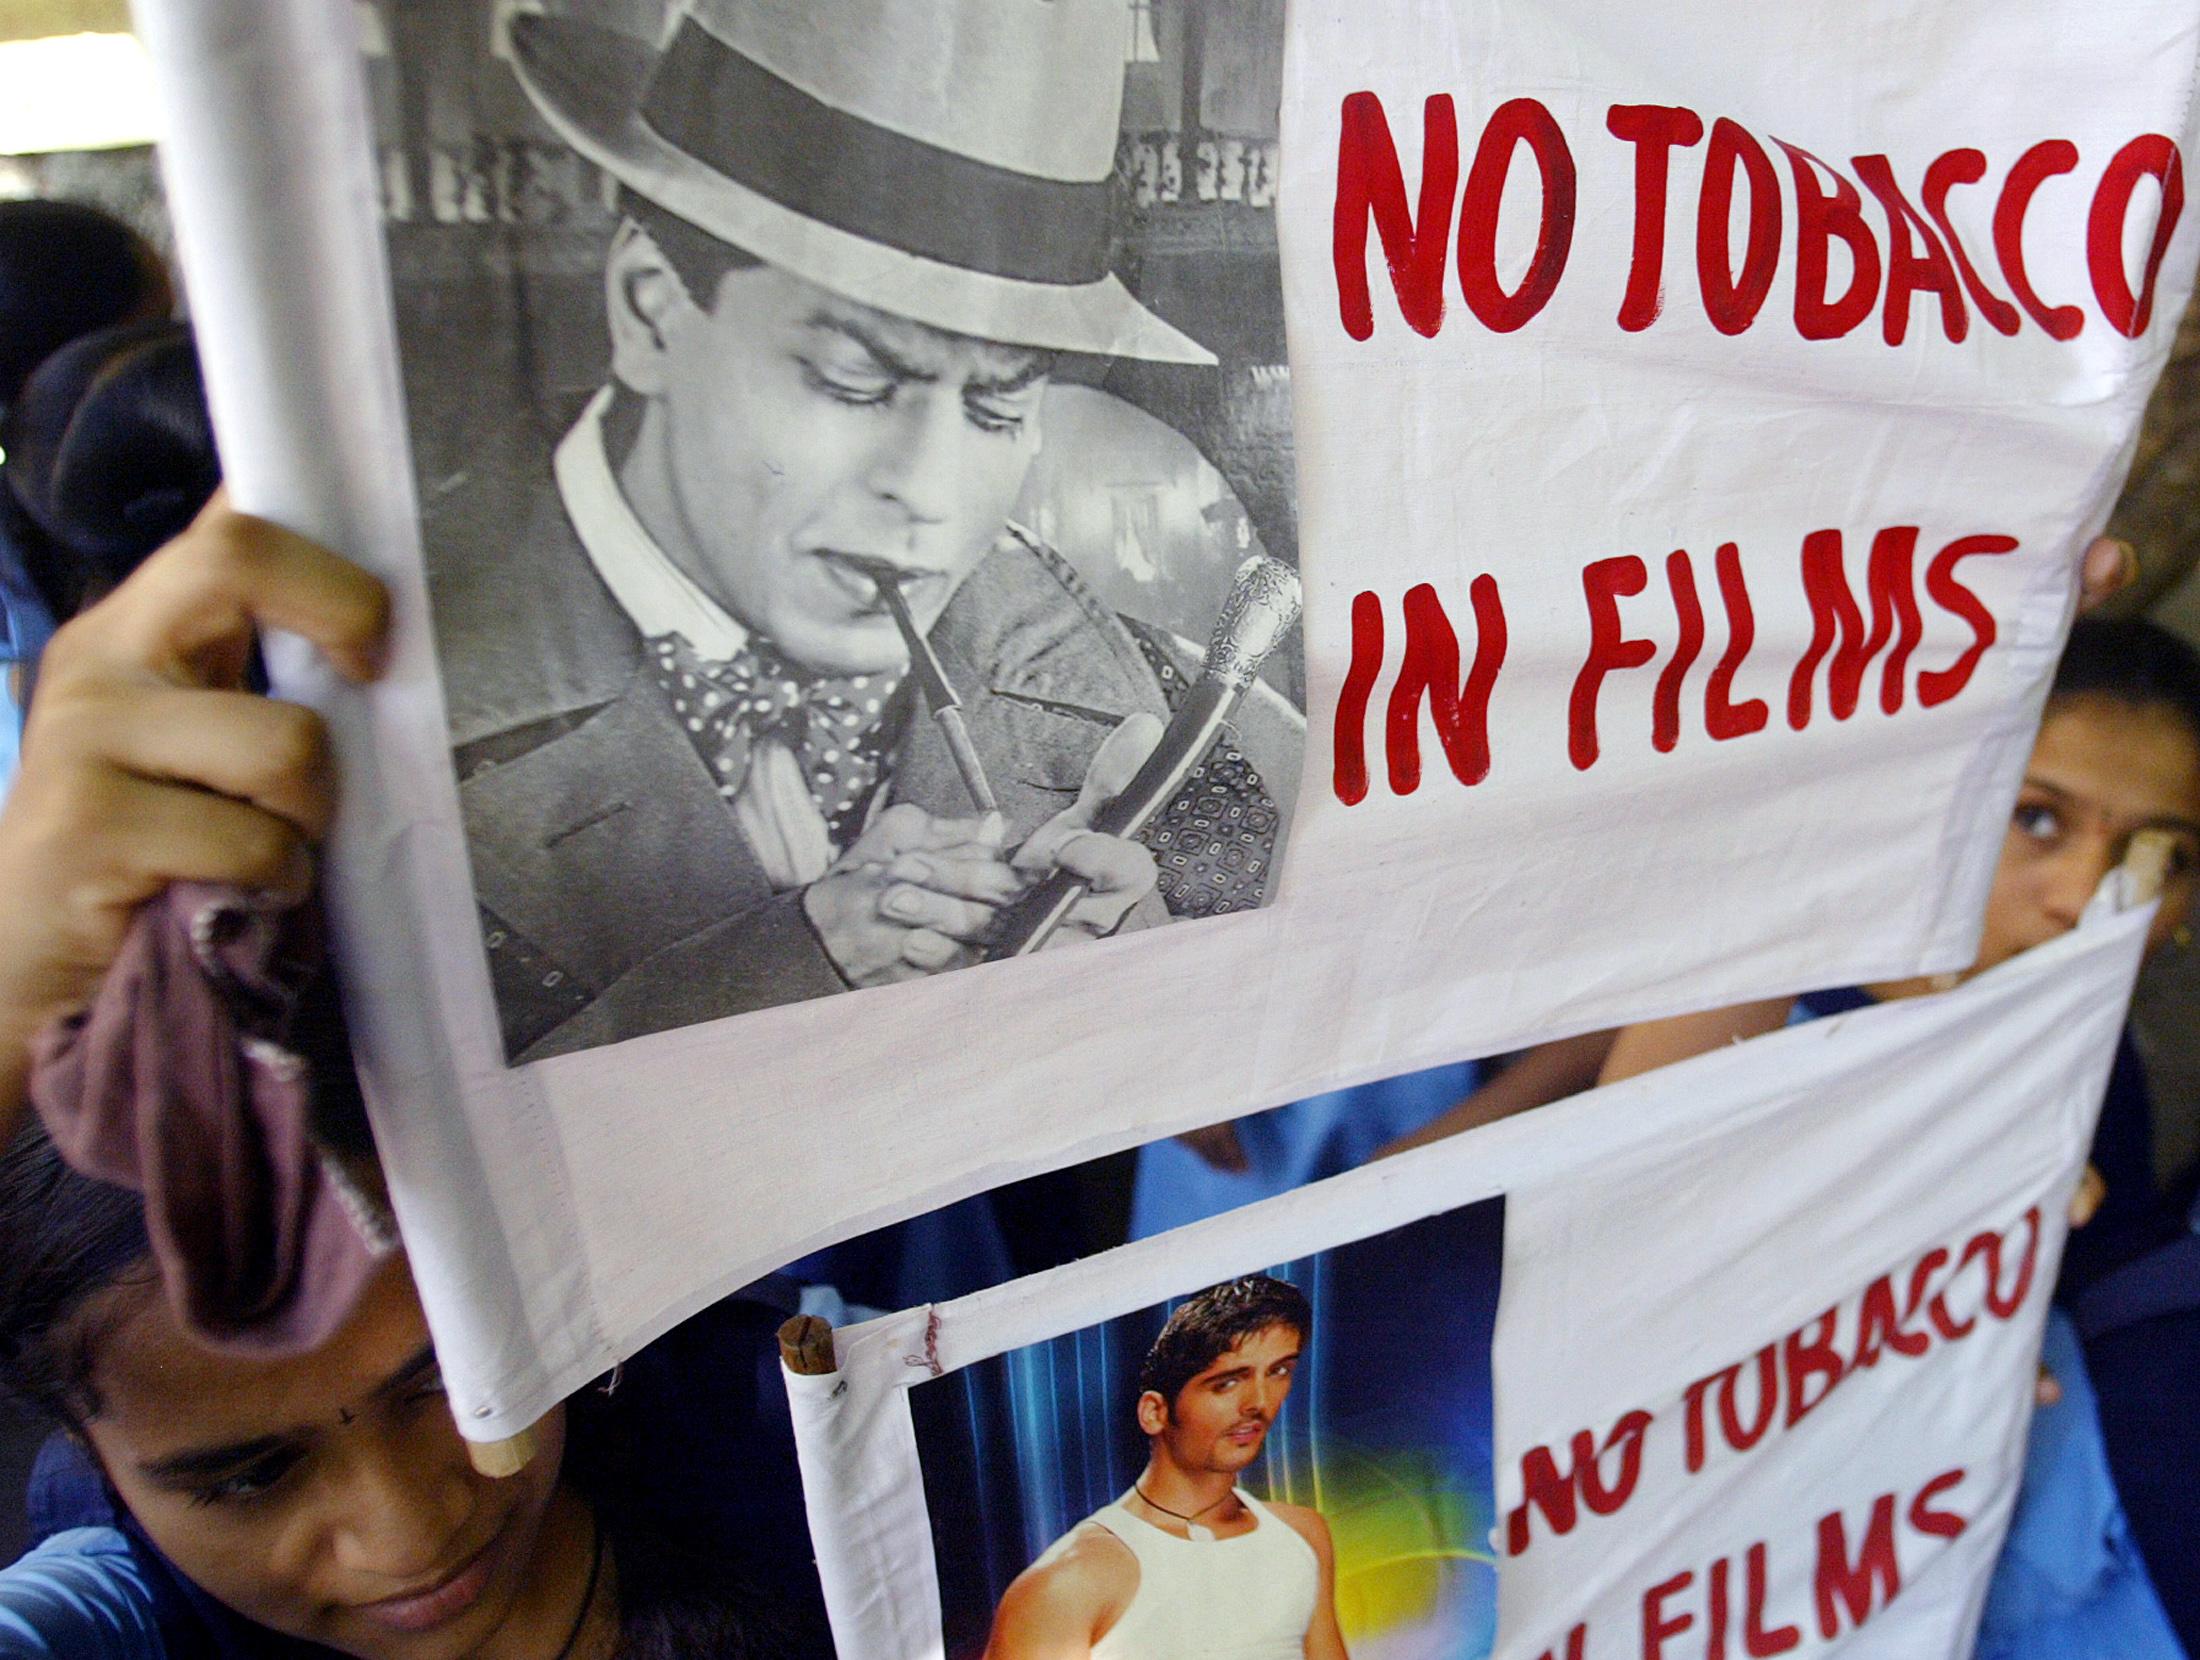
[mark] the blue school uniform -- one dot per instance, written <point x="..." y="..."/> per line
<point x="2140" y="1319"/>
<point x="2070" y="1583"/>
<point x="1292" y="1145"/>
<point x="83" y="1594"/>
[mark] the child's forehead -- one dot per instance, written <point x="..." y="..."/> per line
<point x="172" y="1387"/>
<point x="2137" y="763"/>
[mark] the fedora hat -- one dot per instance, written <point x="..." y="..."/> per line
<point x="944" y="160"/>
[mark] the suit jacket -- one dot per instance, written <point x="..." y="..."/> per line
<point x="617" y="895"/>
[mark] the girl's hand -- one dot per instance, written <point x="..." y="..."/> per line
<point x="146" y="763"/>
<point x="2105" y="569"/>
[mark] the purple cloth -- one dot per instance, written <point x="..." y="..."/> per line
<point x="177" y="1084"/>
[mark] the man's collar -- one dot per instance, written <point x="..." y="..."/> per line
<point x="656" y="594"/>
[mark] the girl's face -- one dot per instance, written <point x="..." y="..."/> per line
<point x="2101" y="771"/>
<point x="329" y="1497"/>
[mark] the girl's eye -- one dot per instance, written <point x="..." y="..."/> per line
<point x="250" y="1482"/>
<point x="429" y="1388"/>
<point x="2040" y="822"/>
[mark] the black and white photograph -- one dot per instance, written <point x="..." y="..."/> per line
<point x="855" y="465"/>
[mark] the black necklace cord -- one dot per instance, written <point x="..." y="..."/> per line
<point x="1188" y="1521"/>
<point x="588" y="1592"/>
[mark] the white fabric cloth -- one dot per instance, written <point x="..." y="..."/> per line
<point x="860" y="1449"/>
<point x="774" y="808"/>
<point x="1247" y="1598"/>
<point x="560" y="1215"/>
<point x="1658" y="1232"/>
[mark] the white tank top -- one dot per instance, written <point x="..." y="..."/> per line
<point x="1246" y="1598"/>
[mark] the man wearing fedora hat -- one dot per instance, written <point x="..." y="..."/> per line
<point x="855" y="238"/>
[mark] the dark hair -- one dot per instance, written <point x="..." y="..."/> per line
<point x="697" y="258"/>
<point x="2134" y="661"/>
<point x="66" y="269"/>
<point x="63" y="1239"/>
<point x="684" y="1594"/>
<point x="1206" y="1327"/>
<point x="110" y="452"/>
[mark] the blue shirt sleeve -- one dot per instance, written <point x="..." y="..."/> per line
<point x="1290" y="1146"/>
<point x="2070" y="1584"/>
<point x="80" y="1595"/>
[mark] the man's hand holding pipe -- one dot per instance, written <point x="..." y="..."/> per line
<point x="1120" y="871"/>
<point x="913" y="894"/>
<point x="916" y="894"/>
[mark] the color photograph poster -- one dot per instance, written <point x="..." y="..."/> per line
<point x="1682" y="463"/>
<point x="1334" y="1412"/>
<point x="1683" y="1436"/>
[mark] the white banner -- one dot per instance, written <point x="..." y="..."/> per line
<point x="1762" y="1364"/>
<point x="1691" y="458"/>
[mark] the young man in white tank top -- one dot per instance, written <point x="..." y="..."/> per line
<point x="1187" y="1565"/>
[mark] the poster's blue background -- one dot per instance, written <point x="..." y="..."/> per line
<point x="1387" y="1434"/>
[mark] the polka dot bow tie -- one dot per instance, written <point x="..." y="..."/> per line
<point x="833" y="726"/>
